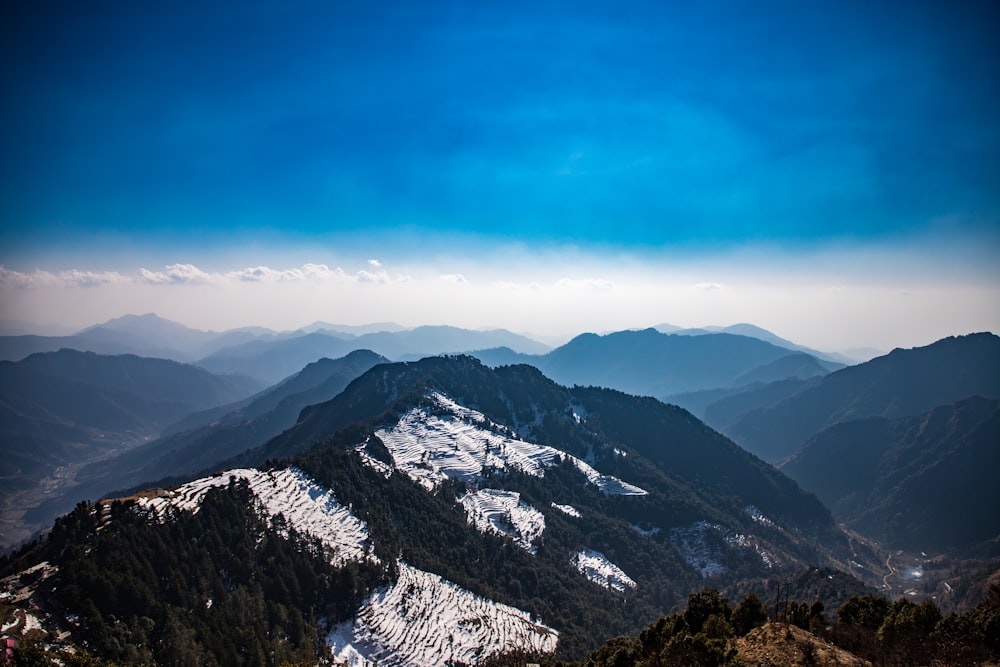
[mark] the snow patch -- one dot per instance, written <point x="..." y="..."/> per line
<point x="31" y="622"/>
<point x="459" y="444"/>
<point x="702" y="545"/>
<point x="308" y="507"/>
<point x="596" y="567"/>
<point x="567" y="509"/>
<point x="423" y="620"/>
<point x="757" y="515"/>
<point x="503" y="513"/>
<point x="383" y="469"/>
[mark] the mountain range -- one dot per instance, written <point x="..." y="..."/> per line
<point x="550" y="517"/>
<point x="753" y="331"/>
<point x="455" y="507"/>
<point x="271" y="356"/>
<point x="273" y="360"/>
<point x="651" y="363"/>
<point x="267" y="355"/>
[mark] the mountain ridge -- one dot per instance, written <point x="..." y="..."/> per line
<point x="875" y="473"/>
<point x="903" y="382"/>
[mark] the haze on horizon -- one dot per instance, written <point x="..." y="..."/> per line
<point x="829" y="172"/>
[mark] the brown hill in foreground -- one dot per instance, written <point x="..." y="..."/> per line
<point x="780" y="645"/>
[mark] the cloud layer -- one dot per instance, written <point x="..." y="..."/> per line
<point x="827" y="300"/>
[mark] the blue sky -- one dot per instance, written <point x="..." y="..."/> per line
<point x="578" y="141"/>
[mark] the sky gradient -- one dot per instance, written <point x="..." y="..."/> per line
<point x="830" y="171"/>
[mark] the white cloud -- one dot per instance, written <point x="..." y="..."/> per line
<point x="375" y="263"/>
<point x="259" y="274"/>
<point x="710" y="287"/>
<point x="69" y="278"/>
<point x="316" y="272"/>
<point x="323" y="272"/>
<point x="189" y="274"/>
<point x="379" y="277"/>
<point x="177" y="274"/>
<point x="454" y="278"/>
<point x="19" y="279"/>
<point x="78" y="278"/>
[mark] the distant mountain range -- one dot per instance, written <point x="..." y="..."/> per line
<point x="267" y="355"/>
<point x="273" y="360"/>
<point x="652" y="363"/>
<point x="754" y="331"/>
<point x="272" y="356"/>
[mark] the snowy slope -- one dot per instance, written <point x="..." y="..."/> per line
<point x="596" y="567"/>
<point x="456" y="442"/>
<point x="424" y="621"/>
<point x="308" y="507"/>
<point x="503" y="513"/>
<point x="567" y="509"/>
<point x="421" y="619"/>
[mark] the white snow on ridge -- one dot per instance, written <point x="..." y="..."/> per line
<point x="606" y="483"/>
<point x="596" y="567"/>
<point x="567" y="509"/>
<point x="425" y="621"/>
<point x="308" y="507"/>
<point x="503" y="513"/>
<point x="430" y="448"/>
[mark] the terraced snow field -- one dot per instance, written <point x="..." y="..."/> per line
<point x="503" y="513"/>
<point x="425" y="621"/>
<point x="432" y="447"/>
<point x="596" y="567"/>
<point x="308" y="507"/>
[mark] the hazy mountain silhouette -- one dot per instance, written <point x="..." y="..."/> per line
<point x="273" y="360"/>
<point x="721" y="412"/>
<point x="123" y="393"/>
<point x="926" y="482"/>
<point x="901" y="383"/>
<point x="754" y="331"/>
<point x="143" y="335"/>
<point x="246" y="425"/>
<point x="720" y="407"/>
<point x="652" y="363"/>
<point x="800" y="366"/>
